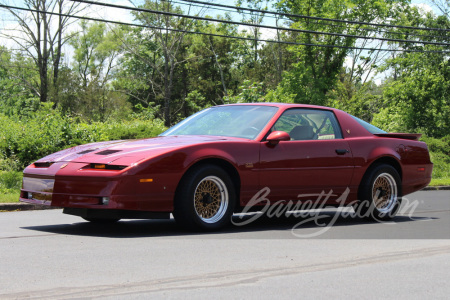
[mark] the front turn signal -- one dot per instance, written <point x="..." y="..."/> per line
<point x="104" y="167"/>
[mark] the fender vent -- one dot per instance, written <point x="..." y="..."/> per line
<point x="107" y="152"/>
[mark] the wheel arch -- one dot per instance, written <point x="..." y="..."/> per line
<point x="222" y="163"/>
<point x="385" y="160"/>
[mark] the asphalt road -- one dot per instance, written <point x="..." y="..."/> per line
<point x="49" y="255"/>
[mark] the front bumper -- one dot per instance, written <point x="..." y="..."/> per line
<point x="120" y="193"/>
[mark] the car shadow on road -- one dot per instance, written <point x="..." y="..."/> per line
<point x="339" y="225"/>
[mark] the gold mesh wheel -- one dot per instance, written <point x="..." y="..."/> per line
<point x="211" y="199"/>
<point x="384" y="192"/>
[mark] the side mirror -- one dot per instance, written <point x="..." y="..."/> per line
<point x="275" y="137"/>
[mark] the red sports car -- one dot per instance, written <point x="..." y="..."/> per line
<point x="212" y="164"/>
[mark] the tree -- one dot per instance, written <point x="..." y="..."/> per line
<point x="16" y="77"/>
<point x="418" y="97"/>
<point x="40" y="35"/>
<point x="443" y="6"/>
<point x="95" y="56"/>
<point x="213" y="63"/>
<point x="165" y="45"/>
<point x="316" y="70"/>
<point x="254" y="18"/>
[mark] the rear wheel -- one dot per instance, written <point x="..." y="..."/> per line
<point x="205" y="199"/>
<point x="380" y="193"/>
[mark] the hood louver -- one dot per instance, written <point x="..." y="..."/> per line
<point x="86" y="151"/>
<point x="107" y="152"/>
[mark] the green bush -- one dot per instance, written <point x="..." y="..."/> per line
<point x="10" y="181"/>
<point x="136" y="129"/>
<point x="26" y="139"/>
<point x="440" y="155"/>
<point x="438" y="145"/>
<point x="441" y="167"/>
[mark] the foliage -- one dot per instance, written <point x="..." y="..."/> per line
<point x="440" y="155"/>
<point x="10" y="177"/>
<point x="316" y="71"/>
<point x="419" y="100"/>
<point x="417" y="96"/>
<point x="9" y="197"/>
<point x="10" y="181"/>
<point x="249" y="92"/>
<point x="440" y="182"/>
<point x="40" y="36"/>
<point x="362" y="100"/>
<point x="15" y="72"/>
<point x="96" y="49"/>
<point x="23" y="140"/>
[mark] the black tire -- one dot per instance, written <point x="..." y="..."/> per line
<point x="379" y="193"/>
<point x="205" y="199"/>
<point x="102" y="220"/>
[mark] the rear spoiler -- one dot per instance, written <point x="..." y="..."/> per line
<point x="405" y="136"/>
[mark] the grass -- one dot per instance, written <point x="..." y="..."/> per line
<point x="10" y="197"/>
<point x="10" y="183"/>
<point x="440" y="181"/>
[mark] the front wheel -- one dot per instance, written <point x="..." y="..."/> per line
<point x="205" y="199"/>
<point x="380" y="194"/>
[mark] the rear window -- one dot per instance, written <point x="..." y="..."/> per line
<point x="369" y="127"/>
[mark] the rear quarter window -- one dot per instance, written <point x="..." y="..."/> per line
<point x="369" y="127"/>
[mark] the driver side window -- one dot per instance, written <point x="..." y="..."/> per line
<point x="309" y="124"/>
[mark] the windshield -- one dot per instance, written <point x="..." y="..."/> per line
<point x="369" y="127"/>
<point x="245" y="121"/>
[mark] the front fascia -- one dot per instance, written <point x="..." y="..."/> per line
<point x="149" y="185"/>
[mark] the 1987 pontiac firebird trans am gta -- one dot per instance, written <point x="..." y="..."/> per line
<point x="213" y="163"/>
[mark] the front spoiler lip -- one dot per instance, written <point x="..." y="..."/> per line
<point x="35" y="201"/>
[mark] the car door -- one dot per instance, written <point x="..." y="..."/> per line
<point x="316" y="161"/>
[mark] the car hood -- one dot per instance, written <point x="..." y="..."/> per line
<point x="128" y="151"/>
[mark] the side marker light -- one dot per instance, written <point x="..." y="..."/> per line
<point x="146" y="180"/>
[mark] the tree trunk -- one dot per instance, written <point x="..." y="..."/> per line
<point x="167" y="90"/>
<point x="57" y="55"/>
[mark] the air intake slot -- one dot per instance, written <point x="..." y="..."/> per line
<point x="107" y="152"/>
<point x="86" y="151"/>
<point x="43" y="164"/>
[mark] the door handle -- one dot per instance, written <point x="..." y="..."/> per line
<point x="342" y="151"/>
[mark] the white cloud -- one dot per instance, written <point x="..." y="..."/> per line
<point x="423" y="7"/>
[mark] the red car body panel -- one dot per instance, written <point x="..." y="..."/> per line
<point x="154" y="167"/>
